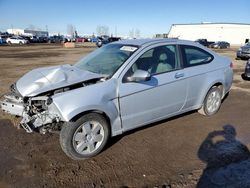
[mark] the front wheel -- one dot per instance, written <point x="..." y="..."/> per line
<point x="212" y="102"/>
<point x="86" y="137"/>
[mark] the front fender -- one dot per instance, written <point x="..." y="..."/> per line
<point x="101" y="96"/>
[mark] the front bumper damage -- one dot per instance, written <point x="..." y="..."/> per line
<point x="39" y="121"/>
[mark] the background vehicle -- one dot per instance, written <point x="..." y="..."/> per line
<point x="81" y="39"/>
<point x="247" y="70"/>
<point x="4" y="36"/>
<point x="220" y="45"/>
<point x="105" y="40"/>
<point x="204" y="42"/>
<point x="93" y="39"/>
<point x="43" y="39"/>
<point x="119" y="87"/>
<point x="243" y="52"/>
<point x="34" y="39"/>
<point x="26" y="38"/>
<point x="16" y="40"/>
<point x="55" y="39"/>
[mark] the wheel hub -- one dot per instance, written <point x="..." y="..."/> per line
<point x="213" y="101"/>
<point x="89" y="137"/>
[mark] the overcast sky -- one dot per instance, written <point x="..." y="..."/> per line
<point x="149" y="16"/>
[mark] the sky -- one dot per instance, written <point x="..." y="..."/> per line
<point x="121" y="16"/>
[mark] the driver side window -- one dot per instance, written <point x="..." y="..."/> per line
<point x="157" y="60"/>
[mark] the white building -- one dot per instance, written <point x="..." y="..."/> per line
<point x="28" y="32"/>
<point x="234" y="33"/>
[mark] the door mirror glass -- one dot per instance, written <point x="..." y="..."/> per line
<point x="139" y="76"/>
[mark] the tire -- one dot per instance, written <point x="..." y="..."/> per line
<point x="20" y="43"/>
<point x="99" y="44"/>
<point x="86" y="137"/>
<point x="9" y="43"/>
<point x="213" y="96"/>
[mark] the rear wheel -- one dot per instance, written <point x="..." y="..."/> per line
<point x="9" y="43"/>
<point x="212" y="102"/>
<point x="20" y="43"/>
<point x="86" y="137"/>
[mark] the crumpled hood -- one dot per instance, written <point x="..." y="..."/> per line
<point x="45" y="79"/>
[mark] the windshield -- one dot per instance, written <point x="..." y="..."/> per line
<point x="107" y="59"/>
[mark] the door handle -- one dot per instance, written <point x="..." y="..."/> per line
<point x="179" y="75"/>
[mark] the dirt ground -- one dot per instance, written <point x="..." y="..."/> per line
<point x="186" y="151"/>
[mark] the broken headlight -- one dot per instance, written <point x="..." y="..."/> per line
<point x="39" y="104"/>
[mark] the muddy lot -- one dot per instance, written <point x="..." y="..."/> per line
<point x="185" y="151"/>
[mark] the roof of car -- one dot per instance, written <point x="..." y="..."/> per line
<point x="140" y="42"/>
<point x="149" y="42"/>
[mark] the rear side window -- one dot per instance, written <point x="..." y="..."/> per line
<point x="193" y="56"/>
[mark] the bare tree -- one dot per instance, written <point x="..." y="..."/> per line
<point x="137" y="33"/>
<point x="131" y="33"/>
<point x="102" y="30"/>
<point x="71" y="30"/>
<point x="31" y="27"/>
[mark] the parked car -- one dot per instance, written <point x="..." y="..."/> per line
<point x="119" y="87"/>
<point x="55" y="39"/>
<point x="93" y="39"/>
<point x="204" y="42"/>
<point x="105" y="40"/>
<point x="5" y="35"/>
<point x="247" y="69"/>
<point x="220" y="45"/>
<point x="43" y="39"/>
<point x="34" y="39"/>
<point x="81" y="39"/>
<point x="26" y="38"/>
<point x="16" y="40"/>
<point x="243" y="52"/>
<point x="68" y="39"/>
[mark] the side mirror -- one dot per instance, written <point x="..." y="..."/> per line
<point x="139" y="76"/>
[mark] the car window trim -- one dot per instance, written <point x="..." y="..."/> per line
<point x="185" y="64"/>
<point x="177" y="55"/>
<point x="141" y="49"/>
<point x="137" y="46"/>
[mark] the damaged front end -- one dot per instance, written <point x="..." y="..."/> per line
<point x="38" y="114"/>
<point x="31" y="97"/>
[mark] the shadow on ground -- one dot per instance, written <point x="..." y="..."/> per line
<point x="227" y="159"/>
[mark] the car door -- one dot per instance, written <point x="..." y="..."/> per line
<point x="161" y="96"/>
<point x="196" y="62"/>
<point x="16" y="40"/>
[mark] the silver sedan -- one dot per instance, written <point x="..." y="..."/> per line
<point x="119" y="87"/>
